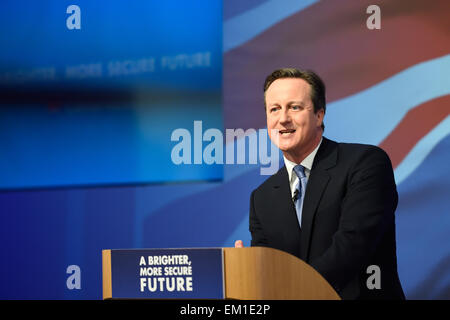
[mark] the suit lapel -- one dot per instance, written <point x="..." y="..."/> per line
<point x="326" y="158"/>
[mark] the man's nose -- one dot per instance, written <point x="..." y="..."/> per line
<point x="285" y="116"/>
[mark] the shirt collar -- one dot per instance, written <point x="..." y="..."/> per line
<point x="307" y="162"/>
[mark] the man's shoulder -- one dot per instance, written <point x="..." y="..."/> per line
<point x="274" y="180"/>
<point x="349" y="153"/>
<point x="356" y="150"/>
<point x="350" y="146"/>
<point x="358" y="155"/>
<point x="347" y="149"/>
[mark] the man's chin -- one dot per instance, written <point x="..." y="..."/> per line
<point x="286" y="149"/>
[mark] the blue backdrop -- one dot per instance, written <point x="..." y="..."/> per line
<point x="87" y="115"/>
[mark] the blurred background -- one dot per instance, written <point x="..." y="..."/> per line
<point x="90" y="98"/>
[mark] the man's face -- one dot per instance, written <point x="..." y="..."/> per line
<point x="292" y="124"/>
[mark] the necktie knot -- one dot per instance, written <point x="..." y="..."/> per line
<point x="300" y="171"/>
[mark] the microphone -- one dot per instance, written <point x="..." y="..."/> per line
<point x="295" y="197"/>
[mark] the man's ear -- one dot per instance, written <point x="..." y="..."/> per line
<point x="320" y="114"/>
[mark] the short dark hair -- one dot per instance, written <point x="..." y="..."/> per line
<point x="317" y="85"/>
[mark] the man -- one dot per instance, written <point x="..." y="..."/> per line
<point x="339" y="215"/>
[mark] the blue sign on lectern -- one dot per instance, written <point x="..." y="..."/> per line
<point x="167" y="273"/>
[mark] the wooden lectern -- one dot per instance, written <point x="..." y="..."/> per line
<point x="251" y="274"/>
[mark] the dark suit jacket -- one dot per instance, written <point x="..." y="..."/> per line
<point x="348" y="219"/>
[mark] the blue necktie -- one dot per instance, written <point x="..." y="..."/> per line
<point x="301" y="187"/>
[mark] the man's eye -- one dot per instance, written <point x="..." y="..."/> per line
<point x="296" y="107"/>
<point x="273" y="109"/>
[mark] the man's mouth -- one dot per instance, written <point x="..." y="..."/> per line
<point x="286" y="131"/>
